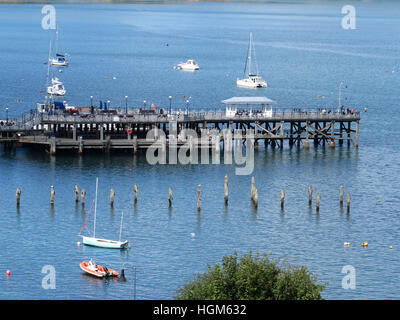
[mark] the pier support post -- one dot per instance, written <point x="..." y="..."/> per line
<point x="74" y="132"/>
<point x="101" y="132"/>
<point x="107" y="145"/>
<point x="282" y="199"/>
<point x="332" y="143"/>
<point x="317" y="201"/>
<point x="135" y="145"/>
<point x="310" y="196"/>
<point x="53" y="146"/>
<point x="18" y="195"/>
<point x="80" y="146"/>
<point x="307" y="142"/>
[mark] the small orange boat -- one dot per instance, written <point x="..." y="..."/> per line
<point x="96" y="270"/>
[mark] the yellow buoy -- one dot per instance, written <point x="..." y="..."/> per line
<point x="390" y="247"/>
<point x="365" y="244"/>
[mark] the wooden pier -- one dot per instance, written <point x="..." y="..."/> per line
<point x="59" y="130"/>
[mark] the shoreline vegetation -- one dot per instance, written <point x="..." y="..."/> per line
<point x="252" y="277"/>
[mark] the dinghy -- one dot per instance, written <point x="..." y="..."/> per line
<point x="100" y="242"/>
<point x="96" y="270"/>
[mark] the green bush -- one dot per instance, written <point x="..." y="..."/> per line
<point x="252" y="278"/>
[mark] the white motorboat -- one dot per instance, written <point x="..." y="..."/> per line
<point x="189" y="65"/>
<point x="57" y="88"/>
<point x="250" y="79"/>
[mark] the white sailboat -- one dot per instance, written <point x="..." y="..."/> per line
<point x="60" y="60"/>
<point x="99" y="242"/>
<point x="250" y="79"/>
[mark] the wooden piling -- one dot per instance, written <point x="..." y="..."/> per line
<point x="282" y="198"/>
<point x="348" y="202"/>
<point x="135" y="190"/>
<point x="310" y="196"/>
<point x="170" y="196"/>
<point x="341" y="192"/>
<point x="253" y="182"/>
<point x="52" y="195"/>
<point x="226" y="191"/>
<point x="317" y="201"/>
<point x="255" y="197"/>
<point x="76" y="190"/>
<point x="199" y="197"/>
<point x="112" y="195"/>
<point x="83" y="195"/>
<point x="254" y="192"/>
<point x="18" y="195"/>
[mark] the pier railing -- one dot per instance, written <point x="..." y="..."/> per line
<point x="32" y="119"/>
<point x="278" y="115"/>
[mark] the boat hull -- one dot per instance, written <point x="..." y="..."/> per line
<point x="245" y="83"/>
<point x="104" y="243"/>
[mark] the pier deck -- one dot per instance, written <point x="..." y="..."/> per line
<point x="64" y="131"/>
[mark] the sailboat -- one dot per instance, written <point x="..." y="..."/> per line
<point x="99" y="242"/>
<point x="56" y="88"/>
<point x="250" y="79"/>
<point x="60" y="60"/>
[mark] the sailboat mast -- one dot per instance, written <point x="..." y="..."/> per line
<point x="250" y="47"/>
<point x="120" y="229"/>
<point x="95" y="209"/>
<point x="56" y="39"/>
<point x="48" y="75"/>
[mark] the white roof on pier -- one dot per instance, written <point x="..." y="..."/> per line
<point x="248" y="100"/>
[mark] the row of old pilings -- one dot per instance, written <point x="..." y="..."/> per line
<point x="253" y="196"/>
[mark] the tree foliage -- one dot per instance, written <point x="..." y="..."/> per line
<point x="252" y="278"/>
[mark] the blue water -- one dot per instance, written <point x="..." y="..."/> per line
<point x="302" y="52"/>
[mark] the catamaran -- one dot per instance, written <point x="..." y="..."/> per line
<point x="250" y="79"/>
<point x="99" y="242"/>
